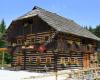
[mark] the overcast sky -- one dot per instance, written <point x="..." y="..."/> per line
<point x="84" y="12"/>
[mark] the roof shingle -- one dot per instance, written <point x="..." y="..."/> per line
<point x="59" y="23"/>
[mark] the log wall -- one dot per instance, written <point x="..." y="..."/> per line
<point x="37" y="33"/>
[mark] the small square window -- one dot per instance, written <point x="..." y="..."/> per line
<point x="46" y="38"/>
<point x="18" y="60"/>
<point x="48" y="60"/>
<point x="62" y="61"/>
<point x="30" y="59"/>
<point x="32" y="40"/>
<point x="38" y="60"/>
<point x="69" y="60"/>
<point x="19" y="41"/>
<point x="76" y="61"/>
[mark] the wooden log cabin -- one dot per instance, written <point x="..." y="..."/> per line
<point x="42" y="40"/>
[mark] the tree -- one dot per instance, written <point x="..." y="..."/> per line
<point x="3" y="42"/>
<point x="2" y="32"/>
<point x="85" y="27"/>
<point x="91" y="29"/>
<point x="2" y="26"/>
<point x="97" y="31"/>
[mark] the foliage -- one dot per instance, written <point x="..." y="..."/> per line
<point x="2" y="26"/>
<point x="2" y="32"/>
<point x="3" y="42"/>
<point x="91" y="29"/>
<point x="98" y="57"/>
<point x="7" y="58"/>
<point x="95" y="31"/>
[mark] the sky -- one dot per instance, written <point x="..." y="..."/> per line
<point x="83" y="12"/>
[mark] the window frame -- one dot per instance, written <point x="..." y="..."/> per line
<point x="62" y="60"/>
<point x="48" y="60"/>
<point x="38" y="62"/>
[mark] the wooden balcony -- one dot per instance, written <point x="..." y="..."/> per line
<point x="87" y="49"/>
<point x="82" y="48"/>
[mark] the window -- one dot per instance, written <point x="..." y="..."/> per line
<point x="60" y="44"/>
<point x="62" y="61"/>
<point x="19" y="41"/>
<point x="32" y="40"/>
<point x="28" y="40"/>
<point x="68" y="45"/>
<point x="13" y="44"/>
<point x="77" y="46"/>
<point x="48" y="60"/>
<point x="18" y="60"/>
<point x="76" y="61"/>
<point x="38" y="60"/>
<point x="69" y="60"/>
<point x="30" y="59"/>
<point x="89" y="47"/>
<point x="44" y="38"/>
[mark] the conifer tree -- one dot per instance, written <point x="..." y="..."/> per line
<point x="2" y="26"/>
<point x="3" y="42"/>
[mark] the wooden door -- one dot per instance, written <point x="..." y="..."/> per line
<point x="86" y="61"/>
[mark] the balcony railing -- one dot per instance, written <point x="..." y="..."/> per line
<point x="82" y="48"/>
<point x="87" y="49"/>
<point x="71" y="47"/>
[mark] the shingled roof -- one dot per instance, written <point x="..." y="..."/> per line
<point x="59" y="23"/>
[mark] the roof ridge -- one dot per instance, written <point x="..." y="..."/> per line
<point x="37" y="7"/>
